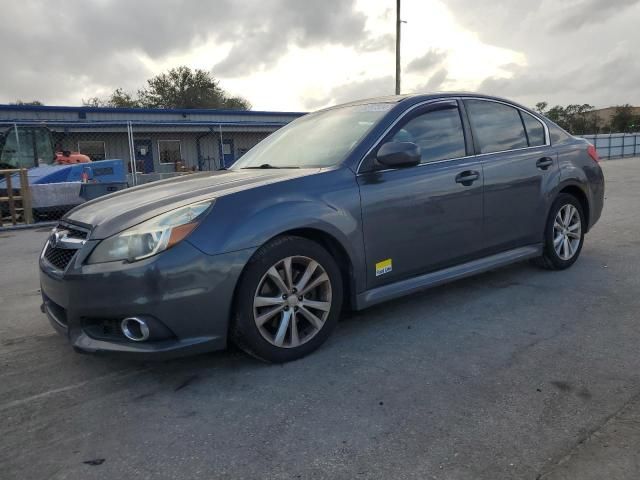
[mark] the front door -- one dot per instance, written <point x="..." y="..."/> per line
<point x="144" y="155"/>
<point x="227" y="158"/>
<point x="423" y="218"/>
<point x="519" y="167"/>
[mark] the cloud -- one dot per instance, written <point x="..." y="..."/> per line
<point x="434" y="83"/>
<point x="357" y="90"/>
<point x="589" y="12"/>
<point x="617" y="74"/>
<point x="429" y="60"/>
<point x="261" y="38"/>
<point x="583" y="53"/>
<point x="94" y="45"/>
<point x="375" y="44"/>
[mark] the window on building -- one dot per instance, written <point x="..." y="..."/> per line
<point x="535" y="130"/>
<point x="496" y="127"/>
<point x="25" y="147"/>
<point x="95" y="150"/>
<point x="439" y="135"/>
<point x="170" y="151"/>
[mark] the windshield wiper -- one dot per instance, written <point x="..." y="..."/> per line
<point x="266" y="166"/>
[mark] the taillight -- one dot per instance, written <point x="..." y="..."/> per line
<point x="593" y="153"/>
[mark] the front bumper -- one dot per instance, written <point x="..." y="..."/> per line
<point x="183" y="291"/>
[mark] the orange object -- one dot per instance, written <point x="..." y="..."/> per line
<point x="68" y="158"/>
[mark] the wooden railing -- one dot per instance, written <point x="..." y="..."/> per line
<point x="15" y="214"/>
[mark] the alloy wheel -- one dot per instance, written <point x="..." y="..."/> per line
<point x="292" y="301"/>
<point x="567" y="232"/>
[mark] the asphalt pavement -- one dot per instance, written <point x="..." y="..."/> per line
<point x="518" y="373"/>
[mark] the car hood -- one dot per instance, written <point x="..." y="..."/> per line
<point x="114" y="213"/>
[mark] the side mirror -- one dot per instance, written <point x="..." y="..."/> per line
<point x="399" y="154"/>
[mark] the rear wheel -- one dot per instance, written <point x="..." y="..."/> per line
<point x="564" y="234"/>
<point x="288" y="300"/>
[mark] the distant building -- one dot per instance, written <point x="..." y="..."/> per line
<point x="606" y="114"/>
<point x="160" y="140"/>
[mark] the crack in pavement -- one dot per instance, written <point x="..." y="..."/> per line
<point x="55" y="391"/>
<point x="553" y="465"/>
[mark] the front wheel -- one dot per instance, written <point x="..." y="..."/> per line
<point x="288" y="300"/>
<point x="564" y="233"/>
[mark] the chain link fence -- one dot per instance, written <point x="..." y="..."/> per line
<point x="70" y="163"/>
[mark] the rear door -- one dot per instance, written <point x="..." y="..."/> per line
<point x="426" y="217"/>
<point x="518" y="165"/>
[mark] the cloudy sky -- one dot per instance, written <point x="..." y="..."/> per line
<point x="305" y="54"/>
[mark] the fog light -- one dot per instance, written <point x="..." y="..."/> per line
<point x="135" y="329"/>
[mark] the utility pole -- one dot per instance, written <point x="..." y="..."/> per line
<point x="398" y="28"/>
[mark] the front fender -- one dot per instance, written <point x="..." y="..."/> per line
<point x="327" y="201"/>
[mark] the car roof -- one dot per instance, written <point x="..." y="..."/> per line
<point x="412" y="98"/>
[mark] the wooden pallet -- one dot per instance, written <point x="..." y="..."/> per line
<point x="21" y="213"/>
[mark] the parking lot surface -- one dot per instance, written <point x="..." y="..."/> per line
<point x="517" y="373"/>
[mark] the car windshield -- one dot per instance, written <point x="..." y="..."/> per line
<point x="321" y="139"/>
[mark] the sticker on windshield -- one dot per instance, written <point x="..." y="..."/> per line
<point x="383" y="267"/>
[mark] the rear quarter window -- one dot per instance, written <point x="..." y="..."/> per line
<point x="557" y="135"/>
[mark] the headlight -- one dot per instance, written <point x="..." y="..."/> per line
<point x="150" y="237"/>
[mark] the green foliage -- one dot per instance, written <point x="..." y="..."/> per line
<point x="576" y="119"/>
<point x="32" y="102"/>
<point x="119" y="98"/>
<point x="178" y="88"/>
<point x="624" y="120"/>
<point x="541" y="107"/>
<point x="582" y="120"/>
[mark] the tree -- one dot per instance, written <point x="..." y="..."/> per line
<point x="623" y="119"/>
<point x="577" y="119"/>
<point x="178" y="88"/>
<point x="541" y="107"/>
<point x="119" y="98"/>
<point x="32" y="102"/>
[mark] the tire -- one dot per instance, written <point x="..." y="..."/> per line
<point x="562" y="257"/>
<point x="301" y="323"/>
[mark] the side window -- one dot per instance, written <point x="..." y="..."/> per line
<point x="496" y="127"/>
<point x="439" y="134"/>
<point x="535" y="130"/>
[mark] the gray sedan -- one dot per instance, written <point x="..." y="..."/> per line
<point x="342" y="208"/>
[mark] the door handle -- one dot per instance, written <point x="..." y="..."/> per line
<point x="544" y="163"/>
<point x="467" y="178"/>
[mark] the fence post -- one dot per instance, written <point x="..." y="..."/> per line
<point x="12" y="204"/>
<point x="222" y="166"/>
<point x="623" y="137"/>
<point x="132" y="154"/>
<point x="25" y="193"/>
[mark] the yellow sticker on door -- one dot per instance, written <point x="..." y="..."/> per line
<point x="383" y="267"/>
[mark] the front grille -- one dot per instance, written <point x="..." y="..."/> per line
<point x="59" y="257"/>
<point x="73" y="232"/>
